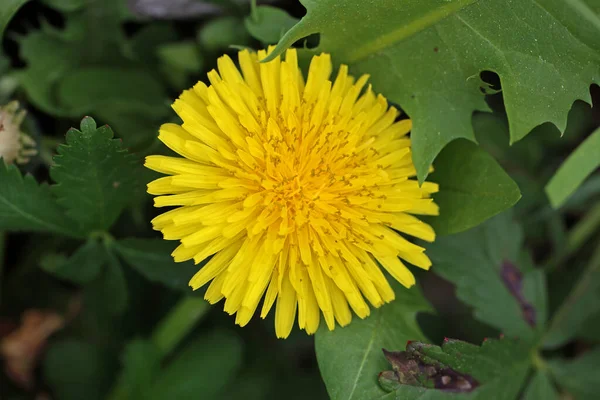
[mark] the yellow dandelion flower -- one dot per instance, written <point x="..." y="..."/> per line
<point x="297" y="189"/>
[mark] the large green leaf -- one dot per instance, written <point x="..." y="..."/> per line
<point x="582" y="304"/>
<point x="268" y="24"/>
<point x="584" y="160"/>
<point x="26" y="205"/>
<point x="350" y="358"/>
<point x="579" y="377"/>
<point x="494" y="371"/>
<point x="8" y="8"/>
<point x="492" y="275"/>
<point x="95" y="176"/>
<point x="152" y="258"/>
<point x="201" y="370"/>
<point x="75" y="370"/>
<point x="427" y="56"/>
<point x="473" y="188"/>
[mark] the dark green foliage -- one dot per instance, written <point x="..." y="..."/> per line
<point x="580" y="376"/>
<point x="490" y="256"/>
<point x="76" y="370"/>
<point x="152" y="258"/>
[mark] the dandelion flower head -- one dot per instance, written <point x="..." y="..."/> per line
<point x="300" y="190"/>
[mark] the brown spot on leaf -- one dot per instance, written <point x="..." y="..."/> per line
<point x="435" y="49"/>
<point x="412" y="367"/>
<point x="513" y="280"/>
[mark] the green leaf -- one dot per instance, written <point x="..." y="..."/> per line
<point x="26" y="205"/>
<point x="580" y="305"/>
<point x="8" y="8"/>
<point x="494" y="371"/>
<point x="579" y="377"/>
<point x="427" y="56"/>
<point x="152" y="258"/>
<point x="92" y="89"/>
<point x="90" y="38"/>
<point x="541" y="388"/>
<point x="350" y="358"/>
<point x="95" y="176"/>
<point x="108" y="293"/>
<point x="222" y="32"/>
<point x="202" y="368"/>
<point x="473" y="188"/>
<point x="268" y="24"/>
<point x="66" y="5"/>
<point x="141" y="366"/>
<point x="83" y="266"/>
<point x="181" y="55"/>
<point x="580" y="164"/>
<point x="492" y="275"/>
<point x="75" y="370"/>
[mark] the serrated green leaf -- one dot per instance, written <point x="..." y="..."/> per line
<point x="350" y="358"/>
<point x="427" y="56"/>
<point x="580" y="305"/>
<point x="579" y="377"/>
<point x="83" y="266"/>
<point x="75" y="370"/>
<point x="541" y="388"/>
<point x="95" y="176"/>
<point x="8" y="8"/>
<point x="490" y="274"/>
<point x="222" y="32"/>
<point x="26" y="205"/>
<point x="494" y="371"/>
<point x="473" y="188"/>
<point x="571" y="174"/>
<point x="152" y="258"/>
<point x="268" y="24"/>
<point x="141" y="366"/>
<point x="202" y="368"/>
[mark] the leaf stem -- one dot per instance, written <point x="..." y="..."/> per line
<point x="178" y="323"/>
<point x="577" y="237"/>
<point x="538" y="362"/>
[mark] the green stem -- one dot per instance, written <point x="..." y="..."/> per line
<point x="537" y="361"/>
<point x="577" y="237"/>
<point x="178" y="323"/>
<point x="169" y="333"/>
